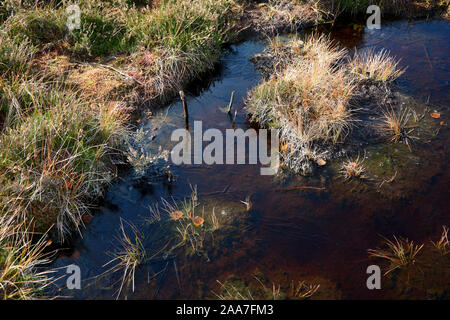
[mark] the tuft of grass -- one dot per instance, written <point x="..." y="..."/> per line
<point x="443" y="244"/>
<point x="308" y="101"/>
<point x="187" y="37"/>
<point x="56" y="158"/>
<point x="19" y="259"/>
<point x="400" y="253"/>
<point x="41" y="25"/>
<point x="15" y="57"/>
<point x="397" y="125"/>
<point x="104" y="29"/>
<point x="129" y="255"/>
<point x="376" y="66"/>
<point x="353" y="168"/>
<point x="238" y="289"/>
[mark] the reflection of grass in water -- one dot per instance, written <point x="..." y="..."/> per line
<point x="238" y="289"/>
<point x="195" y="227"/>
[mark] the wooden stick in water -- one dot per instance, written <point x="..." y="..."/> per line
<point x="230" y="105"/>
<point x="183" y="100"/>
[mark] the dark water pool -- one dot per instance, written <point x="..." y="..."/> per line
<point x="318" y="235"/>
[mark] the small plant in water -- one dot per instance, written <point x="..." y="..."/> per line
<point x="400" y="253"/>
<point x="397" y="125"/>
<point x="353" y="168"/>
<point x="443" y="245"/>
<point x="303" y="290"/>
<point x="129" y="256"/>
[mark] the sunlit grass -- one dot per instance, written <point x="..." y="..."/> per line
<point x="399" y="125"/>
<point x="377" y="66"/>
<point x="353" y="168"/>
<point x="54" y="157"/>
<point x="19" y="259"/>
<point x="308" y="100"/>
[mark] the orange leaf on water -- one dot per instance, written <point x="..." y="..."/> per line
<point x="176" y="215"/>
<point x="198" y="221"/>
<point x="435" y="115"/>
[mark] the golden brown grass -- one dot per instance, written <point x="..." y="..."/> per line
<point x="443" y="244"/>
<point x="308" y="100"/>
<point x="400" y="253"/>
<point x="399" y="125"/>
<point x="376" y="66"/>
<point x="353" y="168"/>
<point x="302" y="290"/>
<point x="19" y="258"/>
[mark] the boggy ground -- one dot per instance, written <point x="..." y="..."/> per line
<point x="328" y="104"/>
<point x="66" y="100"/>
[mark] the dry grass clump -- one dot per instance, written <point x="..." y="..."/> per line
<point x="19" y="258"/>
<point x="308" y="101"/>
<point x="308" y="95"/>
<point x="443" y="244"/>
<point x="96" y="83"/>
<point x="400" y="253"/>
<point x="353" y="168"/>
<point x="399" y="125"/>
<point x="376" y="66"/>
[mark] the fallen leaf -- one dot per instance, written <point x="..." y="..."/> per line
<point x="198" y="221"/>
<point x="435" y="115"/>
